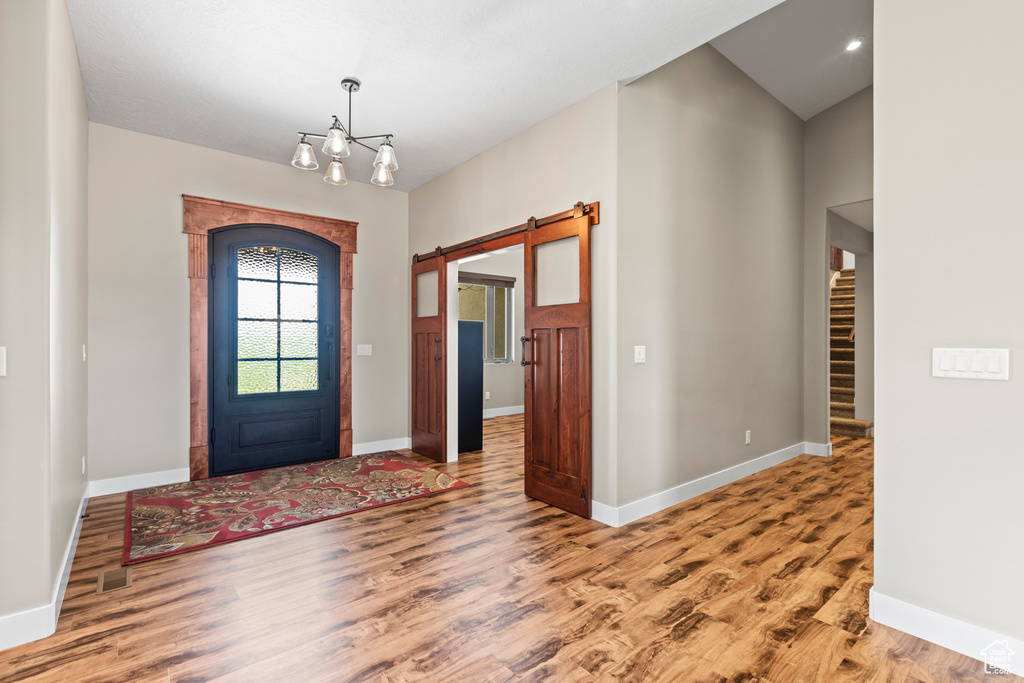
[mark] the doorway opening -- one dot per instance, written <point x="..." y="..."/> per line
<point x="490" y="337"/>
<point x="851" y="320"/>
<point x="554" y="352"/>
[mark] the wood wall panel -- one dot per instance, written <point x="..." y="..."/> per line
<point x="200" y="216"/>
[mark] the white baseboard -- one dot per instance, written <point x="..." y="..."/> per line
<point x="105" y="487"/>
<point x="69" y="558"/>
<point x="378" y="446"/>
<point x="822" y="449"/>
<point x="945" y="631"/>
<point x="630" y="512"/>
<point x="40" y="622"/>
<point x="24" y="627"/>
<point x="507" y="410"/>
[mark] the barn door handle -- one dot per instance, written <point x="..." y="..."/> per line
<point x="523" y="341"/>
<point x="330" y="363"/>
<point x="436" y="342"/>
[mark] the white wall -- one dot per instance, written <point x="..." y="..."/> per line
<point x="567" y="158"/>
<point x="838" y="169"/>
<point x="948" y="234"/>
<point x="710" y="191"/>
<point x="139" y="291"/>
<point x="504" y="381"/>
<point x="68" y="152"/>
<point x="864" y="341"/>
<point x="43" y="145"/>
<point x="24" y="306"/>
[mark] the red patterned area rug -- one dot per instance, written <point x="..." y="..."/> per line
<point x="167" y="520"/>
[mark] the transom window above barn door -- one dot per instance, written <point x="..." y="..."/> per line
<point x="490" y="299"/>
<point x="278" y="321"/>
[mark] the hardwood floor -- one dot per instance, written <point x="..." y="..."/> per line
<point x="762" y="580"/>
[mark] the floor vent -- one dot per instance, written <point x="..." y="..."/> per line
<point x="114" y="580"/>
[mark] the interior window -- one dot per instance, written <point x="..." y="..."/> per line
<point x="491" y="305"/>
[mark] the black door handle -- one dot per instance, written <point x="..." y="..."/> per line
<point x="330" y="363"/>
<point x="436" y="342"/>
<point x="523" y="340"/>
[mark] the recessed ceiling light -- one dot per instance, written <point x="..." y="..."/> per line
<point x="855" y="43"/>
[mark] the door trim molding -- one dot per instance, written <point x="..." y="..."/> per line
<point x="200" y="215"/>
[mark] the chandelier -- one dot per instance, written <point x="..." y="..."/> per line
<point x="337" y="147"/>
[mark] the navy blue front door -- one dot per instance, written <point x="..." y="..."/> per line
<point x="274" y="320"/>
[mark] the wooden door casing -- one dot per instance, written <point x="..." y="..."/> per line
<point x="200" y="215"/>
<point x="430" y="367"/>
<point x="557" y="355"/>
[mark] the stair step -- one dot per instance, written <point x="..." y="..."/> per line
<point x="843" y="291"/>
<point x="842" y="367"/>
<point x="841" y="341"/>
<point x="845" y="282"/>
<point x="844" y="318"/>
<point x="845" y="426"/>
<point x="840" y="409"/>
<point x="845" y="299"/>
<point x="842" y="354"/>
<point x="841" y="394"/>
<point x="839" y="379"/>
<point x="847" y="271"/>
<point x="842" y="306"/>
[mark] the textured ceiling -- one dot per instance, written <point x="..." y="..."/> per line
<point x="797" y="52"/>
<point x="449" y="78"/>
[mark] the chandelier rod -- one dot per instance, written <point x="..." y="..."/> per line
<point x="352" y="139"/>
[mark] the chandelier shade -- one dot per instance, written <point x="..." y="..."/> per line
<point x="382" y="176"/>
<point x="305" y="157"/>
<point x="386" y="156"/>
<point x="338" y="144"/>
<point x="335" y="172"/>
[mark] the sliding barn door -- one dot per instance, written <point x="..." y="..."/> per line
<point x="429" y="365"/>
<point x="556" y="353"/>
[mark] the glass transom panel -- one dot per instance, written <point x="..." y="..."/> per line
<point x="278" y="325"/>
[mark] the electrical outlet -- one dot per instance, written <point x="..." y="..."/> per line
<point x="748" y="437"/>
<point x="487" y="396"/>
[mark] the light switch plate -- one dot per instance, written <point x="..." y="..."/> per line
<point x="639" y="354"/>
<point x="971" y="363"/>
<point x="3" y="361"/>
<point x="364" y="350"/>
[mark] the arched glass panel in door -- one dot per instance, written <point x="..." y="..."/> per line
<point x="277" y="320"/>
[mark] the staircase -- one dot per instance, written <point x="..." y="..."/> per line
<point x="841" y="345"/>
